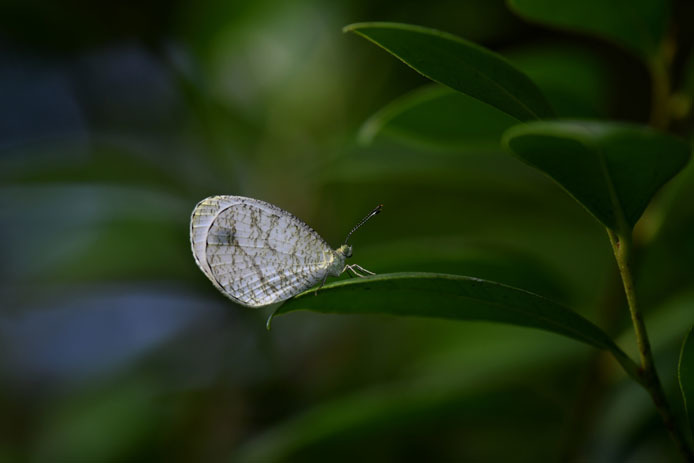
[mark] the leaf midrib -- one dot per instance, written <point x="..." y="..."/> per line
<point x="621" y="223"/>
<point x="513" y="308"/>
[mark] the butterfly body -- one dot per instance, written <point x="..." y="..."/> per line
<point x="258" y="254"/>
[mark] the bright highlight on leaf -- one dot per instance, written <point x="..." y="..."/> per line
<point x="461" y="65"/>
<point x="457" y="298"/>
<point x="612" y="169"/>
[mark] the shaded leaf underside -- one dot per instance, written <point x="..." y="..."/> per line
<point x="453" y="297"/>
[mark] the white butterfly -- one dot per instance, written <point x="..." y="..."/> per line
<point x="258" y="254"/>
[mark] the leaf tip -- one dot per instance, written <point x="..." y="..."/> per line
<point x="354" y="26"/>
<point x="268" y="323"/>
<point x="508" y="135"/>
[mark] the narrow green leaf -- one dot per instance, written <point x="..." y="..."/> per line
<point x="637" y="25"/>
<point x="457" y="298"/>
<point x="612" y="169"/>
<point x="436" y="116"/>
<point x="461" y="65"/>
<point x="686" y="376"/>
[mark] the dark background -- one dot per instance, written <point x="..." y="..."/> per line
<point x="117" y="117"/>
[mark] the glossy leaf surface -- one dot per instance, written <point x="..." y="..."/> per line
<point x="453" y="297"/>
<point x="612" y="169"/>
<point x="461" y="65"/>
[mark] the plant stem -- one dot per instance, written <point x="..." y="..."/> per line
<point x="623" y="250"/>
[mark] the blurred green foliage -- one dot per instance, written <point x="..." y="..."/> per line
<point x="116" y="118"/>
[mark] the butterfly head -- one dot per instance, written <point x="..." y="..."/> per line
<point x="345" y="250"/>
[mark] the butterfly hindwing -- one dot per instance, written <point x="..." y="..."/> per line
<point x="254" y="252"/>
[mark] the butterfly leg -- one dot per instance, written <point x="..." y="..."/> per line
<point x="350" y="273"/>
<point x="354" y="271"/>
<point x="369" y="272"/>
<point x="315" y="293"/>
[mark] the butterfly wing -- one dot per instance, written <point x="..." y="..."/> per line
<point x="254" y="252"/>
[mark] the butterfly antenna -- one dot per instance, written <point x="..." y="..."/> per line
<point x="363" y="221"/>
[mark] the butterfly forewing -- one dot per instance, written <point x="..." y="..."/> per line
<point x="254" y="252"/>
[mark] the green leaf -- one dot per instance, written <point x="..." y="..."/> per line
<point x="575" y="80"/>
<point x="638" y="25"/>
<point x="436" y="116"/>
<point x="453" y="297"/>
<point x="461" y="65"/>
<point x="686" y="376"/>
<point x="612" y="169"/>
